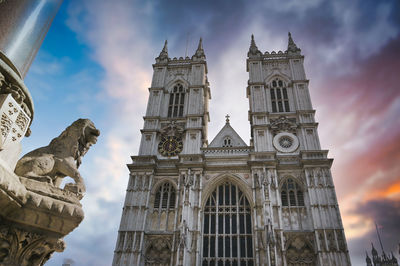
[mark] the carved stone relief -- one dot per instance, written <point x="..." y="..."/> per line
<point x="14" y="121"/>
<point x="158" y="250"/>
<point x="19" y="247"/>
<point x="174" y="73"/>
<point x="283" y="124"/>
<point x="300" y="249"/>
<point x="18" y="95"/>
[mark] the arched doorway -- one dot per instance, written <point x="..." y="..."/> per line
<point x="227" y="228"/>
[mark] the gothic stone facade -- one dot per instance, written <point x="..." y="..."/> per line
<point x="226" y="203"/>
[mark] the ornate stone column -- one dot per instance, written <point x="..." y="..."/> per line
<point x="35" y="214"/>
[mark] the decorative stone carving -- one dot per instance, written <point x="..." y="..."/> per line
<point x="260" y="238"/>
<point x="184" y="235"/>
<point x="331" y="240"/>
<point x="270" y="233"/>
<point x="19" y="95"/>
<point x="283" y="124"/>
<point x="172" y="129"/>
<point x="19" y="247"/>
<point x="61" y="157"/>
<point x="158" y="250"/>
<point x="189" y="179"/>
<point x="341" y="240"/>
<point x="299" y="249"/>
<point x="14" y="122"/>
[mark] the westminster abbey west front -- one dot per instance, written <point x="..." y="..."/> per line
<point x="194" y="202"/>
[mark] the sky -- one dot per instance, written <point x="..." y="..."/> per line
<point x="96" y="62"/>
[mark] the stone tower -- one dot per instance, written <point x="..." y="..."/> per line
<point x="190" y="202"/>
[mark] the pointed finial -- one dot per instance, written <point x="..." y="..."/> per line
<point x="199" y="54"/>
<point x="253" y="50"/>
<point x="290" y="38"/>
<point x="253" y="42"/>
<point x="165" y="48"/>
<point x="367" y="259"/>
<point x="373" y="250"/>
<point x="200" y="46"/>
<point x="164" y="53"/>
<point x="292" y="47"/>
<point x="227" y="119"/>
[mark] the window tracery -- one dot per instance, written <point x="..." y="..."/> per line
<point x="165" y="197"/>
<point x="227" y="228"/>
<point x="176" y="101"/>
<point x="291" y="194"/>
<point x="279" y="96"/>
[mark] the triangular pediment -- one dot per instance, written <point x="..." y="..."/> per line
<point x="221" y="139"/>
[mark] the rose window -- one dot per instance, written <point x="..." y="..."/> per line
<point x="286" y="142"/>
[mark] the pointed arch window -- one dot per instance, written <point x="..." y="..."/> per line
<point x="279" y="96"/>
<point x="291" y="194"/>
<point x="227" y="228"/>
<point x="176" y="101"/>
<point x="165" y="197"/>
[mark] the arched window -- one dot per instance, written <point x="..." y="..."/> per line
<point x="291" y="194"/>
<point x="279" y="96"/>
<point x="176" y="101"/>
<point x="227" y="228"/>
<point x="165" y="197"/>
<point x="227" y="142"/>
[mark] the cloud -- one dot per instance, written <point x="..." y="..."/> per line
<point x="386" y="213"/>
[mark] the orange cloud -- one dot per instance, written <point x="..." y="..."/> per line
<point x="392" y="192"/>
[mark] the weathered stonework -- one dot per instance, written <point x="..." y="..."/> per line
<point x="16" y="113"/>
<point x="228" y="203"/>
<point x="35" y="214"/>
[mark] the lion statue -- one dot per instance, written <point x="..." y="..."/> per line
<point x="61" y="157"/>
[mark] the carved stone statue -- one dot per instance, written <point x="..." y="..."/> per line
<point x="183" y="237"/>
<point x="61" y="157"/>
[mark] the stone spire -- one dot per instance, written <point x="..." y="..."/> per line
<point x="199" y="54"/>
<point x="292" y="47"/>
<point x="253" y="50"/>
<point x="163" y="54"/>
<point x="368" y="259"/>
<point x="394" y="260"/>
<point x="373" y="250"/>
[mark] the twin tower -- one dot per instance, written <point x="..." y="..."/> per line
<point x="194" y="202"/>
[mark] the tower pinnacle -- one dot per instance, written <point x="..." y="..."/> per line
<point x="368" y="259"/>
<point x="292" y="47"/>
<point x="164" y="53"/>
<point x="199" y="54"/>
<point x="253" y="50"/>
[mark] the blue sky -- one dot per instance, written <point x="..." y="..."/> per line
<point x="95" y="62"/>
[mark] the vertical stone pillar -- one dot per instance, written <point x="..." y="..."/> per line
<point x="35" y="214"/>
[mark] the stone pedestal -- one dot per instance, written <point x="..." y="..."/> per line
<point x="34" y="215"/>
<point x="34" y="218"/>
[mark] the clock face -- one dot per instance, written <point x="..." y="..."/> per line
<point x="170" y="146"/>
